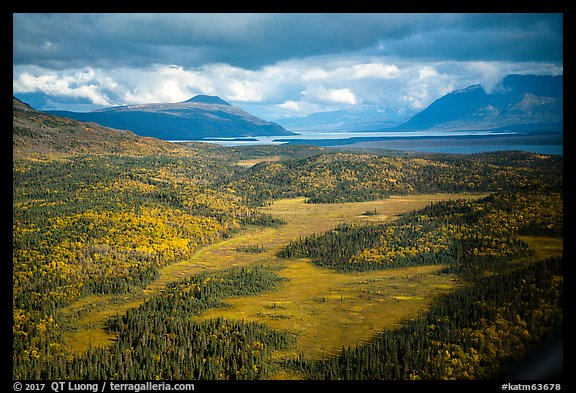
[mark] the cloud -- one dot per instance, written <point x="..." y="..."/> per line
<point x="375" y="70"/>
<point x="490" y="74"/>
<point x="333" y="96"/>
<point x="481" y="37"/>
<point x="252" y="41"/>
<point x="276" y="64"/>
<point x="290" y="105"/>
<point x="334" y="69"/>
<point x="291" y="108"/>
<point x="427" y="72"/>
<point x="420" y="89"/>
<point x="291" y="87"/>
<point x="80" y="84"/>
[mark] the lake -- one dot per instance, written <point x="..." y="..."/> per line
<point x="455" y="142"/>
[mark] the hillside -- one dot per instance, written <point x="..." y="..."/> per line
<point x="77" y="186"/>
<point x="520" y="102"/>
<point x="37" y="132"/>
<point x="197" y="118"/>
<point x="343" y="177"/>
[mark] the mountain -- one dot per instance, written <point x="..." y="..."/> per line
<point x="203" y="99"/>
<point x="197" y="118"/>
<point x="353" y="118"/>
<point x="519" y="102"/>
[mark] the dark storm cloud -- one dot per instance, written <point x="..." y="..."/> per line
<point x="246" y="40"/>
<point x="60" y="41"/>
<point x="479" y="37"/>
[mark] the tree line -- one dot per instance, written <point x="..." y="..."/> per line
<point x="349" y="177"/>
<point x="161" y="340"/>
<point x="444" y="232"/>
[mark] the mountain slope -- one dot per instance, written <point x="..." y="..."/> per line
<point x="520" y="102"/>
<point x="38" y="132"/>
<point x="197" y="118"/>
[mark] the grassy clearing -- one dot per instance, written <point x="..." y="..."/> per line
<point x="545" y="246"/>
<point x="254" y="161"/>
<point x="315" y="288"/>
<point x="327" y="310"/>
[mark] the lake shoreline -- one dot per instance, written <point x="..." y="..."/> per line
<point x="454" y="143"/>
<point x="467" y="144"/>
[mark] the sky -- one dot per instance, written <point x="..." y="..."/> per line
<point x="275" y="65"/>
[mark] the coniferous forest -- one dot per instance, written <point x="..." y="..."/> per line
<point x="99" y="211"/>
<point x="446" y="231"/>
<point x="477" y="332"/>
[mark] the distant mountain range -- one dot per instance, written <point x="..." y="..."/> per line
<point x="197" y="118"/>
<point x="354" y="118"/>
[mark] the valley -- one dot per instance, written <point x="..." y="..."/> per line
<point x="307" y="284"/>
<point x="135" y="258"/>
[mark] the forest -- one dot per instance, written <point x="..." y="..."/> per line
<point x="477" y="332"/>
<point x="510" y="304"/>
<point x="160" y="339"/>
<point x="346" y="177"/>
<point x="98" y="211"/>
<point x="443" y="231"/>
